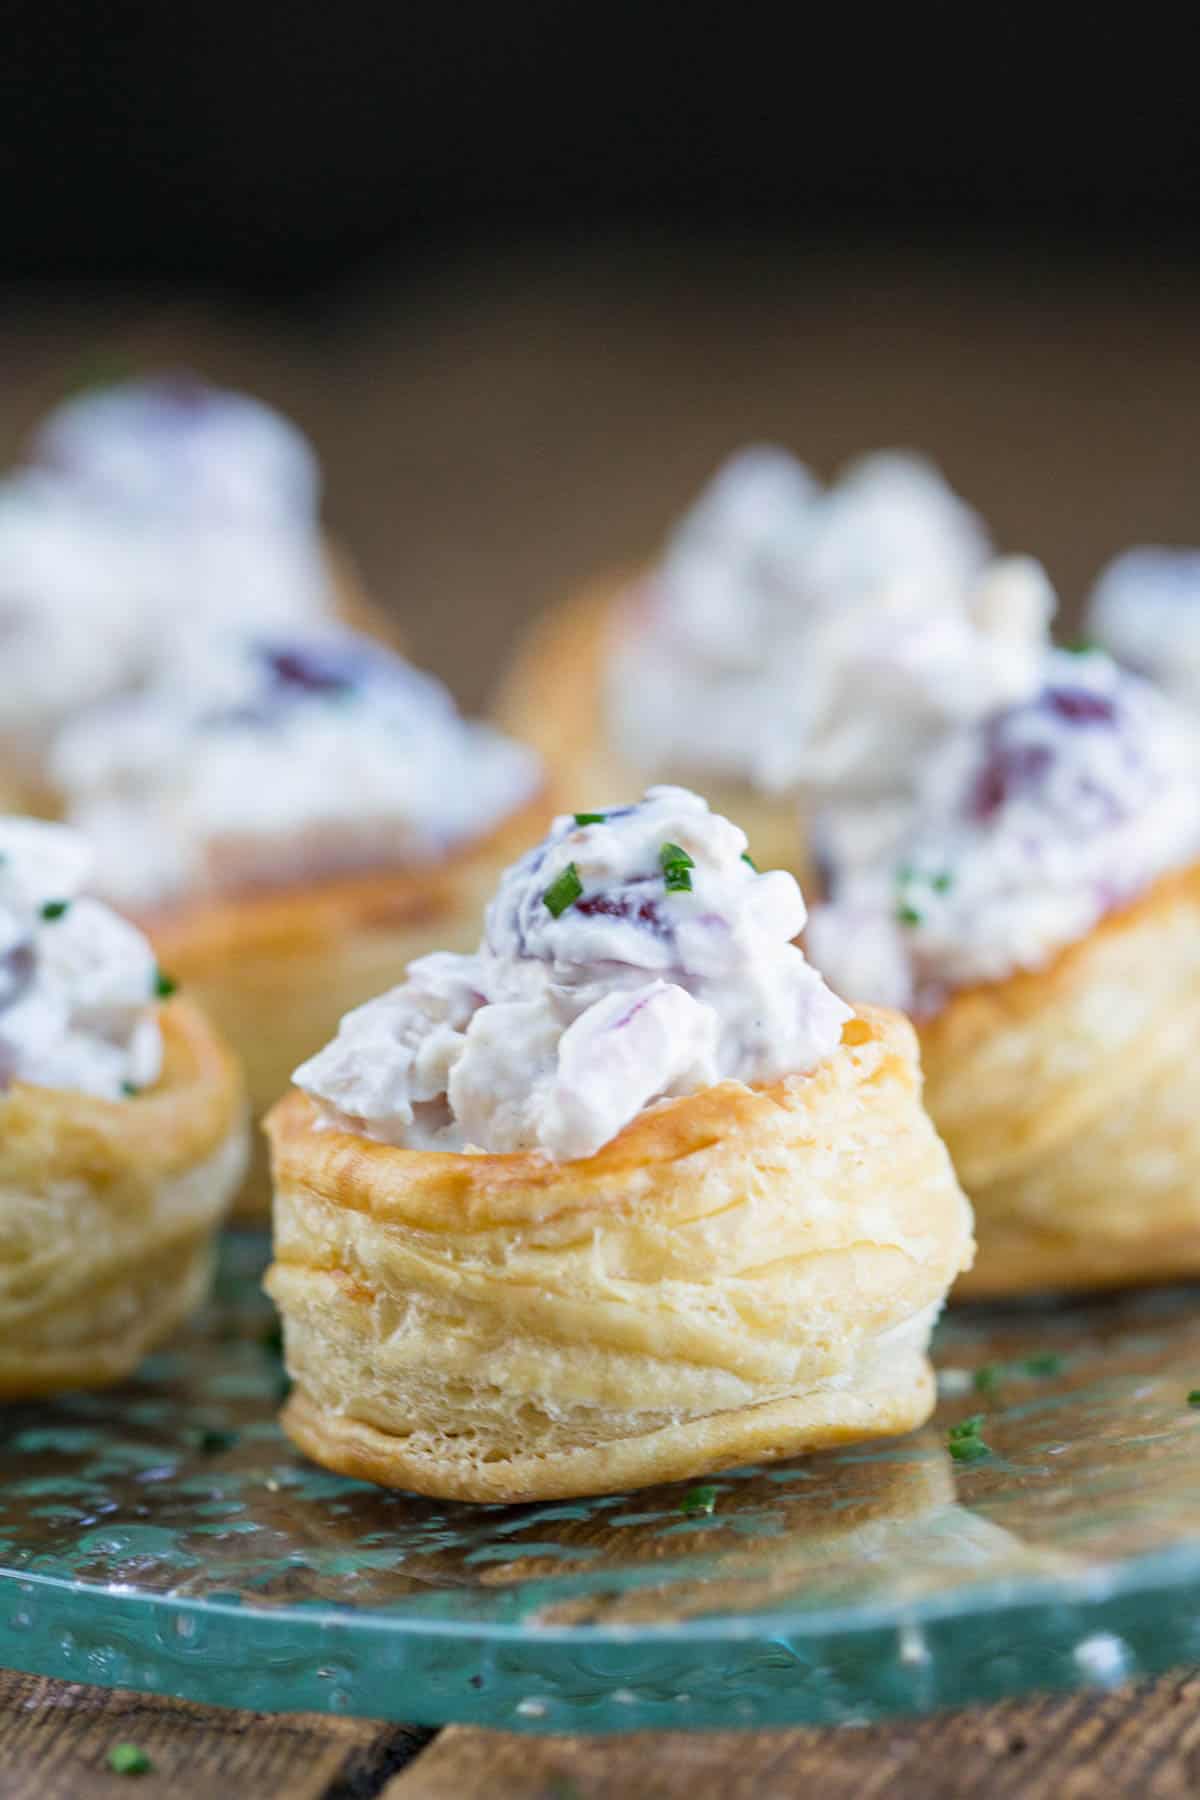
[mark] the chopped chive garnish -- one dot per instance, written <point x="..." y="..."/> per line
<point x="964" y="1442"/>
<point x="563" y="891"/>
<point x="1082" y="646"/>
<point x="968" y="1449"/>
<point x="210" y="1440"/>
<point x="699" y="1502"/>
<point x="1194" y="1397"/>
<point x="55" y="909"/>
<point x="130" y="1089"/>
<point x="988" y="1376"/>
<point x="165" y="985"/>
<point x="941" y="884"/>
<point x="129" y="1759"/>
<point x="908" y="915"/>
<point x="747" y="858"/>
<point x="590" y="818"/>
<point x="677" y="868"/>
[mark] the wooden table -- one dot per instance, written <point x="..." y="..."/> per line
<point x="494" y="434"/>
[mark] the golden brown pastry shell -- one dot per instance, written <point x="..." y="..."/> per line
<point x="108" y="1211"/>
<point x="743" y="1274"/>
<point x="553" y="698"/>
<point x="276" y="969"/>
<point x="1066" y="1097"/>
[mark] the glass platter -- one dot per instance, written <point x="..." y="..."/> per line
<point x="166" y="1537"/>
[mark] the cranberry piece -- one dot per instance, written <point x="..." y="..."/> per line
<point x="605" y="906"/>
<point x="601" y="906"/>
<point x="1009" y="769"/>
<point x="1079" y="706"/>
<point x="16" y="974"/>
<point x="310" y="671"/>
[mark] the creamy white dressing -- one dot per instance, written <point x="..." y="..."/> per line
<point x="624" y="961"/>
<point x="74" y="610"/>
<point x="78" y="985"/>
<point x="173" y="445"/>
<point x="1145" y="609"/>
<point x="153" y="513"/>
<point x="813" y="640"/>
<point x="261" y="760"/>
<point x="1028" y="828"/>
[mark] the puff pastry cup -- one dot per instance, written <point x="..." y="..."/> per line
<point x="275" y="969"/>
<point x="552" y="698"/>
<point x="742" y="1274"/>
<point x="108" y="1211"/>
<point x="1067" y="1100"/>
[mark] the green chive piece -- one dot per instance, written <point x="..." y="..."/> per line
<point x="968" y="1449"/>
<point x="1043" y="1362"/>
<point x="272" y="1338"/>
<point x="210" y="1440"/>
<point x="165" y="985"/>
<point x="941" y="884"/>
<point x="969" y="1427"/>
<point x="563" y="891"/>
<point x="677" y="868"/>
<point x="747" y="858"/>
<point x="988" y="1377"/>
<point x="129" y="1759"/>
<point x="699" y="1502"/>
<point x="1082" y="646"/>
<point x="908" y="915"/>
<point x="130" y="1089"/>
<point x="590" y="818"/>
<point x="1194" y="1397"/>
<point x="55" y="909"/>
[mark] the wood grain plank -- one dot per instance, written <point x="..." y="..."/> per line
<point x="55" y="1739"/>
<point x="1142" y="1740"/>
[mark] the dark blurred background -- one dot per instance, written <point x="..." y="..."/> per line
<point x="276" y="147"/>
<point x="527" y="271"/>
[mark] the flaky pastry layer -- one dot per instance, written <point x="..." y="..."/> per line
<point x="1066" y="1097"/>
<point x="108" y="1210"/>
<point x="742" y="1273"/>
<point x="553" y="698"/>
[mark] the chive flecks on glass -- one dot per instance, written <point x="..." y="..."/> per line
<point x="964" y="1441"/>
<point x="130" y="1089"/>
<point x="699" y="1502"/>
<point x="129" y="1759"/>
<point x="56" y="909"/>
<point x="677" y="868"/>
<point x="563" y="891"/>
<point x="590" y="818"/>
<point x="908" y="915"/>
<point x="211" y="1440"/>
<point x="165" y="985"/>
<point x="747" y="858"/>
<point x="988" y="1377"/>
<point x="941" y="884"/>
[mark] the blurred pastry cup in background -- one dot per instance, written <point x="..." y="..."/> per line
<point x="1041" y="921"/>
<point x="123" y="1132"/>
<point x="792" y="651"/>
<point x="292" y="821"/>
<point x="625" y="1197"/>
<point x="148" y="512"/>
